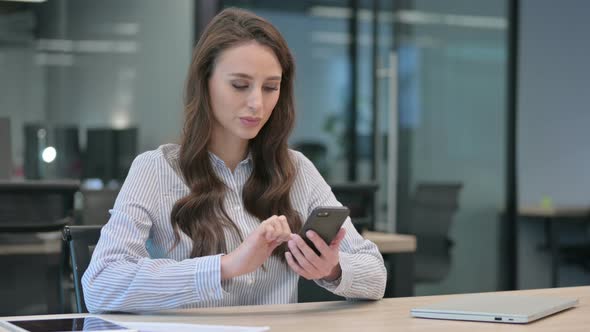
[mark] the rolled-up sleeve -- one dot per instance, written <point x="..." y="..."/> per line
<point x="122" y="276"/>
<point x="363" y="272"/>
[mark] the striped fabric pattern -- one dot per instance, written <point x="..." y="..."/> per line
<point x="134" y="270"/>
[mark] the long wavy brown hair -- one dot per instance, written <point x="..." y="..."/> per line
<point x="201" y="214"/>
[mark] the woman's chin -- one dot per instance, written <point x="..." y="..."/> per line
<point x="249" y="134"/>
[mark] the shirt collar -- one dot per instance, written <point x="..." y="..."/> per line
<point x="219" y="162"/>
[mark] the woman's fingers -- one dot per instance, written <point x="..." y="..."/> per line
<point x="276" y="228"/>
<point x="301" y="255"/>
<point x="285" y="229"/>
<point x="269" y="229"/>
<point x="296" y="267"/>
<point x="318" y="242"/>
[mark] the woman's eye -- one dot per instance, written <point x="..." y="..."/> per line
<point x="271" y="88"/>
<point x="240" y="86"/>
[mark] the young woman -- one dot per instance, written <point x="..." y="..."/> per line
<point x="214" y="221"/>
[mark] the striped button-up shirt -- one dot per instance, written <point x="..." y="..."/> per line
<point x="133" y="269"/>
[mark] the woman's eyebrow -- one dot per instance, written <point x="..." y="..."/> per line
<point x="242" y="75"/>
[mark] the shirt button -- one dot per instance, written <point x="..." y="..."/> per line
<point x="250" y="280"/>
<point x="236" y="207"/>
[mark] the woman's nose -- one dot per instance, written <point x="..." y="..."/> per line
<point x="255" y="99"/>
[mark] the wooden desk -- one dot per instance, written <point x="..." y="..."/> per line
<point x="551" y="217"/>
<point x="367" y="316"/>
<point x="398" y="253"/>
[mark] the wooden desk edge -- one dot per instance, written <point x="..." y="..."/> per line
<point x="362" y="315"/>
<point x="565" y="211"/>
<point x="392" y="243"/>
<point x="30" y="249"/>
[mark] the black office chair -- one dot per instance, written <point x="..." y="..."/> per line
<point x="96" y="205"/>
<point x="433" y="208"/>
<point x="33" y="206"/>
<point x="81" y="241"/>
<point x="359" y="197"/>
<point x="5" y="149"/>
<point x="317" y="153"/>
<point x="29" y="208"/>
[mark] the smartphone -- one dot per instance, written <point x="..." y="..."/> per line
<point x="89" y="323"/>
<point x="326" y="221"/>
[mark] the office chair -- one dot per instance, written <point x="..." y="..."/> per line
<point x="433" y="208"/>
<point x="360" y="199"/>
<point x="309" y="291"/>
<point x="36" y="206"/>
<point x="317" y="153"/>
<point x="578" y="253"/>
<point x="96" y="205"/>
<point x="81" y="241"/>
<point x="5" y="149"/>
<point x="31" y="213"/>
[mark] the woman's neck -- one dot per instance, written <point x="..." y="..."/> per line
<point x="232" y="152"/>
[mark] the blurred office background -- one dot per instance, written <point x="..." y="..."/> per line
<point x="415" y="99"/>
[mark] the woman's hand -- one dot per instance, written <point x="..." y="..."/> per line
<point x="256" y="248"/>
<point x="305" y="262"/>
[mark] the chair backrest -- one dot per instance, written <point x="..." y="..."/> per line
<point x="433" y="207"/>
<point x="81" y="241"/>
<point x="360" y="199"/>
<point x="317" y="153"/>
<point x="96" y="205"/>
<point x="36" y="205"/>
<point x="5" y="149"/>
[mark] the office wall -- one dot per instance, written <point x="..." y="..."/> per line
<point x="22" y="96"/>
<point x="553" y="125"/>
<point x="126" y="67"/>
<point x="140" y="83"/>
<point x="554" y="102"/>
<point x="322" y="79"/>
<point x="459" y="136"/>
<point x="458" y="130"/>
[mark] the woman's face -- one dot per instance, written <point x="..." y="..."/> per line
<point x="244" y="89"/>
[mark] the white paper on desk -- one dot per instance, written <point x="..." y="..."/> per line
<point x="182" y="327"/>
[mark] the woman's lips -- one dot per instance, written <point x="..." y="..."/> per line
<point x="249" y="121"/>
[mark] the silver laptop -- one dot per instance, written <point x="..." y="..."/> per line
<point x="500" y="308"/>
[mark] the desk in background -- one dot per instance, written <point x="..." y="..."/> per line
<point x="368" y="316"/>
<point x="398" y="253"/>
<point x="47" y="247"/>
<point x="551" y="217"/>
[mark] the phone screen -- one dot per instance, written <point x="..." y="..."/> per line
<point x="68" y="325"/>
